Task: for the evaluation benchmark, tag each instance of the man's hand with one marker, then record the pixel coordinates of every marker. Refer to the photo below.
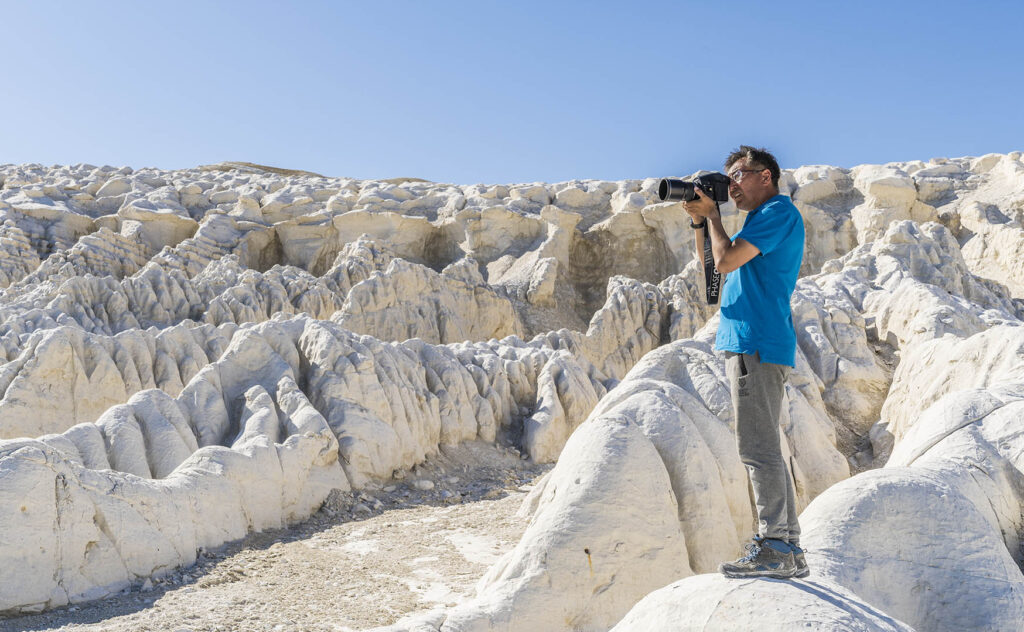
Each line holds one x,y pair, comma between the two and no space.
701,207
728,255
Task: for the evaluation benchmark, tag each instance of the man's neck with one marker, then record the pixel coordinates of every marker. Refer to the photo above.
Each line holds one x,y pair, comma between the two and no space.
761,203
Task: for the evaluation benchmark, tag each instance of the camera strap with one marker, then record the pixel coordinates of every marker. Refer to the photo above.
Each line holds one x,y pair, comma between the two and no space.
712,277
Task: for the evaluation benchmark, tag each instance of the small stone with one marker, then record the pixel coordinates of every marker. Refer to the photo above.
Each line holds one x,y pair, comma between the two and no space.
361,508
147,585
389,489
424,484
452,480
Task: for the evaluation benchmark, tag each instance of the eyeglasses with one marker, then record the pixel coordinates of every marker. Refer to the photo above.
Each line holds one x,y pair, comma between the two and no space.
737,174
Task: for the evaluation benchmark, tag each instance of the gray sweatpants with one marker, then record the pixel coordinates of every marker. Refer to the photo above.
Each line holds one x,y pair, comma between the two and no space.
758,390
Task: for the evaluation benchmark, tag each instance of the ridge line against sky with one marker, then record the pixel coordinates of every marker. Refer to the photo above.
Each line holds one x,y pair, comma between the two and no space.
507,92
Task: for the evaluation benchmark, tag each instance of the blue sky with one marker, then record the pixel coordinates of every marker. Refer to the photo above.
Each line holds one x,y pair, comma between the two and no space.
473,92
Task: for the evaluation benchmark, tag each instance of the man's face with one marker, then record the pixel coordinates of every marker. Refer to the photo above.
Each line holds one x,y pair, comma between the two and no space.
750,186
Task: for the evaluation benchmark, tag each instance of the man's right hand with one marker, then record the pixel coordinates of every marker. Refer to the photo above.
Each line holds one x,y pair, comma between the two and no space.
700,207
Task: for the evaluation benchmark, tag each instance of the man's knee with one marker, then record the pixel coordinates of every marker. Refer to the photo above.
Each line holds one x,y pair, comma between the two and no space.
759,449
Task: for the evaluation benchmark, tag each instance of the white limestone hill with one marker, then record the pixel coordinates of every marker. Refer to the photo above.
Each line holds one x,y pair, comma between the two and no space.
187,357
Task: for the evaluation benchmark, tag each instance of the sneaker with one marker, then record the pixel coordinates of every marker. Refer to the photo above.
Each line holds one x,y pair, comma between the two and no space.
801,563
762,560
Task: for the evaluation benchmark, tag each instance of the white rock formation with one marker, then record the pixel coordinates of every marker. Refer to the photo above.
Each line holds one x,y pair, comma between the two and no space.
831,312
583,540
374,407
914,289
408,300
170,337
712,603
92,532
65,376
651,487
889,195
943,519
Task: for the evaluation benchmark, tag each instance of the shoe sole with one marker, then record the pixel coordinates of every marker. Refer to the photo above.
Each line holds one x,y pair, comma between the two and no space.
803,573
768,574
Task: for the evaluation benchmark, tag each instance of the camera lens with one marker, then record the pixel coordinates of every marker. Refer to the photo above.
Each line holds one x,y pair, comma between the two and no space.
676,190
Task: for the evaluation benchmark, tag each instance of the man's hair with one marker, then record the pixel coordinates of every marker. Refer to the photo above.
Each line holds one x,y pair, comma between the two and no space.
757,157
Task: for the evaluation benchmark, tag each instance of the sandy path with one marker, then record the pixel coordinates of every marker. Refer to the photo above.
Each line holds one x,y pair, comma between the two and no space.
342,570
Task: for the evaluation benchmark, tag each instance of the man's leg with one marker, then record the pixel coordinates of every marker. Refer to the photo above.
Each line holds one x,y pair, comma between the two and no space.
758,389
757,392
794,528
791,517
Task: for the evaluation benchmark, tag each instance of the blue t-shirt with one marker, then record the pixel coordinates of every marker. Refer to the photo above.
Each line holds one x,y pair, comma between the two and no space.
755,314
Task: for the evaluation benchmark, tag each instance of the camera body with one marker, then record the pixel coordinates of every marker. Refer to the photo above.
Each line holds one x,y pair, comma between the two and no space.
714,185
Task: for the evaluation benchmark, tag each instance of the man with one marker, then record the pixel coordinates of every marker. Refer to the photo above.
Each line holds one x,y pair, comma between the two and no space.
756,333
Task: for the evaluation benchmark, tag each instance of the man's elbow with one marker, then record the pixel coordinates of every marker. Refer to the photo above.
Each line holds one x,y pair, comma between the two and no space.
724,265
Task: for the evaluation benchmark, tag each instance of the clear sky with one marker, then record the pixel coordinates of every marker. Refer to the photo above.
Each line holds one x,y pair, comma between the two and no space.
513,91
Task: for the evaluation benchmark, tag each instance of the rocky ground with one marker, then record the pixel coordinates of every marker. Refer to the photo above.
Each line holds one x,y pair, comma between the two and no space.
364,560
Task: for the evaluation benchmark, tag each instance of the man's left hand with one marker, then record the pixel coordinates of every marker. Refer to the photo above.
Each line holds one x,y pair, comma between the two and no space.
702,206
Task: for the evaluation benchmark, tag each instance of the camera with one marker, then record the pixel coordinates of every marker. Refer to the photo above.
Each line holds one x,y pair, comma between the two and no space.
714,185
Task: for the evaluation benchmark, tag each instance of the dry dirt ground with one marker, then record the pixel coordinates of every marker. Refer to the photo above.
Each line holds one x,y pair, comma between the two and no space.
363,561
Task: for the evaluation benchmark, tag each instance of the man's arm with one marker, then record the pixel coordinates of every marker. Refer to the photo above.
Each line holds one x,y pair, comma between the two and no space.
729,255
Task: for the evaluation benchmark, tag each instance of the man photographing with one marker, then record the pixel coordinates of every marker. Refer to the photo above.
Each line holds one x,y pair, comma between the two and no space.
756,333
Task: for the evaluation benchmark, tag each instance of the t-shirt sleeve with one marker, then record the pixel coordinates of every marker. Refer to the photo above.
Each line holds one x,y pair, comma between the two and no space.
769,227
